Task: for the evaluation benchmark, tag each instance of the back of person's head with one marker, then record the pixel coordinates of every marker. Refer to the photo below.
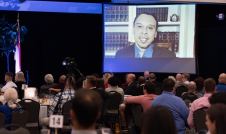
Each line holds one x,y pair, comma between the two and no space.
152,77
186,76
130,78
91,81
192,86
100,83
168,85
222,78
209,85
70,82
179,77
86,108
141,80
20,76
158,120
216,115
199,83
8,76
173,78
219,97
149,87
11,96
49,78
113,81
62,79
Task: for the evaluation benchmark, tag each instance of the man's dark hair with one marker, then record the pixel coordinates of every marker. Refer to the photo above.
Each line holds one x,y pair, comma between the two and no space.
219,97
87,106
217,114
209,85
168,85
150,87
158,120
147,14
9,74
113,81
199,83
91,79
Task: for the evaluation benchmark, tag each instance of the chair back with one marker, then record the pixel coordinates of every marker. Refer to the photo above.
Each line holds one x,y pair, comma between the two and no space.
20,118
66,112
2,120
32,107
199,118
113,101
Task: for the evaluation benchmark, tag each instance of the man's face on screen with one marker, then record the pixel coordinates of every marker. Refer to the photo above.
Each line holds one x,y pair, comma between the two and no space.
145,30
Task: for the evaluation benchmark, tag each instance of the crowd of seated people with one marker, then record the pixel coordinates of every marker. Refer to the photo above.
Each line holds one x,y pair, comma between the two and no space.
168,106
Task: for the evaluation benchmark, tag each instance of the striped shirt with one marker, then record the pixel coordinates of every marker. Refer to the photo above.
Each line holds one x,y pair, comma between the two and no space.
62,98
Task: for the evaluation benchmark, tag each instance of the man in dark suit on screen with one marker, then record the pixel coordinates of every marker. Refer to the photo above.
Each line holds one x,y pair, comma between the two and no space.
145,31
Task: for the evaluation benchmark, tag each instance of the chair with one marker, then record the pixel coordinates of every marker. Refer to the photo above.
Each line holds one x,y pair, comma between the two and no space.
199,118
32,107
20,118
66,112
67,118
111,109
2,120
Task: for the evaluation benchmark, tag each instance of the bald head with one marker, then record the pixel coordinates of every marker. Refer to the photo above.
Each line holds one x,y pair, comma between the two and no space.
222,78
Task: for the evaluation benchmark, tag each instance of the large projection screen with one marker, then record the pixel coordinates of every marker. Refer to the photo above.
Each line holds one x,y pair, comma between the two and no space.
158,38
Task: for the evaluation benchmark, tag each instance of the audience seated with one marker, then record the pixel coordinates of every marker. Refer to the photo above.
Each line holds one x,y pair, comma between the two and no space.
106,76
158,85
185,78
10,105
132,85
20,80
144,100
158,120
9,82
60,85
209,85
219,97
49,83
199,86
113,86
216,119
62,97
90,83
86,109
175,104
141,81
221,86
190,96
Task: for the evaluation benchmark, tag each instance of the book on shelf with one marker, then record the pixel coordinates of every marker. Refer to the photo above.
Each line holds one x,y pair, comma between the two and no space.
161,13
116,14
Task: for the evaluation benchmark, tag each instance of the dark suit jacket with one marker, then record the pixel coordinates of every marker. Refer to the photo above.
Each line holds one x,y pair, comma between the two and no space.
158,52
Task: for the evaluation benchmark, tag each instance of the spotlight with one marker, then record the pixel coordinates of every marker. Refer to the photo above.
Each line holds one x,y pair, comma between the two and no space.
68,61
220,16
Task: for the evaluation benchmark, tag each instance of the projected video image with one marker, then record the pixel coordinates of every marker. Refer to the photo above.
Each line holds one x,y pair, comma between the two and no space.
140,32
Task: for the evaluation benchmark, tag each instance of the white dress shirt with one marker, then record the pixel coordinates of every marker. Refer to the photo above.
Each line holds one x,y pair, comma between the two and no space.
9,84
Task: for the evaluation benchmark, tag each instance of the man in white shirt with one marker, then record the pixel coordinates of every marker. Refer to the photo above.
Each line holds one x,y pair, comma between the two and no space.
9,82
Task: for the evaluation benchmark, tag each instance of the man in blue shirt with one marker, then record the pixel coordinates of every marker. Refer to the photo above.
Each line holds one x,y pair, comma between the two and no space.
221,86
175,104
